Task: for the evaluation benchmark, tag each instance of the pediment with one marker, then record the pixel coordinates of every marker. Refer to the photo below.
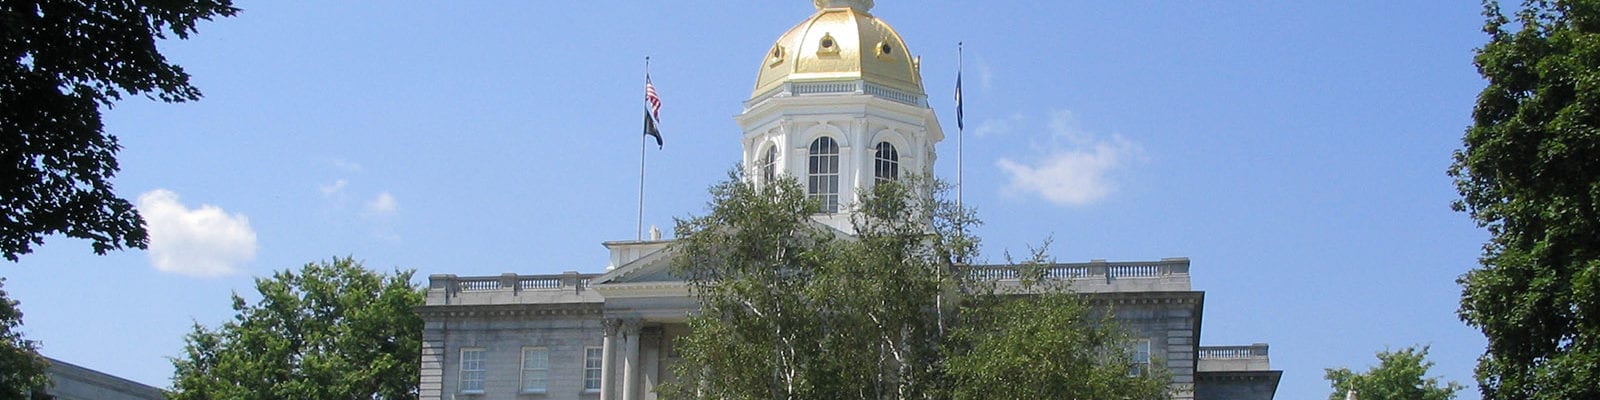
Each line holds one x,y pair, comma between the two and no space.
655,266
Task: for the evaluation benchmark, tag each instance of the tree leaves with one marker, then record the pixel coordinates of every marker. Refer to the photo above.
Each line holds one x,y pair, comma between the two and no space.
1399,375
1529,172
21,367
791,309
332,331
60,61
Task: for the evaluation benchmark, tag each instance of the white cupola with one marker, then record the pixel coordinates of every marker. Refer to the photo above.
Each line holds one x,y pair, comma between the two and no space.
838,103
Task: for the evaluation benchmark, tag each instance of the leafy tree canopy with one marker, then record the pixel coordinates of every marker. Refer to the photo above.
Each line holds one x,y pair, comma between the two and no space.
792,309
62,61
335,330
1529,172
1043,341
1400,375
21,366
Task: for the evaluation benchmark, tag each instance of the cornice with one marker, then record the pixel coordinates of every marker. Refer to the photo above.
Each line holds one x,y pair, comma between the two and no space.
509,310
1146,298
642,289
1238,376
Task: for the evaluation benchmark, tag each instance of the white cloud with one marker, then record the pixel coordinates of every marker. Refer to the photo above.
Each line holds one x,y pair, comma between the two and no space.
335,187
1075,168
200,242
384,204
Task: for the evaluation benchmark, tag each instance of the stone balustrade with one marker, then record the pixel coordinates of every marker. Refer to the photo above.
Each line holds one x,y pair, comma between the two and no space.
1234,358
1099,276
506,288
1166,275
839,87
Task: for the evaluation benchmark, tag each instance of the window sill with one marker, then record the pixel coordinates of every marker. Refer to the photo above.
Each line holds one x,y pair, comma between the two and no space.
535,391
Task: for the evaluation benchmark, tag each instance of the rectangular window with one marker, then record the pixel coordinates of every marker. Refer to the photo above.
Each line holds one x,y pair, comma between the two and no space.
535,369
1138,357
473,369
592,357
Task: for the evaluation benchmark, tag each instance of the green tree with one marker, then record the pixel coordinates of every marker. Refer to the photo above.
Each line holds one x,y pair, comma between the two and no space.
1042,341
64,59
1529,172
21,366
757,263
1400,375
792,309
335,330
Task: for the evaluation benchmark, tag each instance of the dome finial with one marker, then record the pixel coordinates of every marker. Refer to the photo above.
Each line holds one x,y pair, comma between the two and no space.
858,5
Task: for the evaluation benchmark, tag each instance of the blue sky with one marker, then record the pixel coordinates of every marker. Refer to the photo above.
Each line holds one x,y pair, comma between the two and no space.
1294,151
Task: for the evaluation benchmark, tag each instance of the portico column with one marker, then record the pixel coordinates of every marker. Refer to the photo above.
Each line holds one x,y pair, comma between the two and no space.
608,358
630,360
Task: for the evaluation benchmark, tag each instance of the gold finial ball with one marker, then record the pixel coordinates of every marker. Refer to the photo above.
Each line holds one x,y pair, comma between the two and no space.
859,5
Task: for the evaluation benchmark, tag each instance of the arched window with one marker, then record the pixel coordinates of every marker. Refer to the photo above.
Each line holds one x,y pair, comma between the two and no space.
886,164
822,173
769,165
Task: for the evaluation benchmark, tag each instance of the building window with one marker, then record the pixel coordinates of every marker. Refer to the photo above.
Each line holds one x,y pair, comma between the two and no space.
1138,357
769,165
822,179
592,357
886,163
535,369
473,370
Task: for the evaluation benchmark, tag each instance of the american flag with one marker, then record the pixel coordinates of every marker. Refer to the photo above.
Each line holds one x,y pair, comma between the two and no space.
651,97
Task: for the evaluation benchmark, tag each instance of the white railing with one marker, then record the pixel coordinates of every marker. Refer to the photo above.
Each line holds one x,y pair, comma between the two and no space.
510,282
1255,351
896,95
802,88
839,87
533,282
477,285
1098,270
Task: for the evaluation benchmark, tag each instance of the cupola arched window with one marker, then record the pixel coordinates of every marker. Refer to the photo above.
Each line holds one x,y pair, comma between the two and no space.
769,165
886,163
822,173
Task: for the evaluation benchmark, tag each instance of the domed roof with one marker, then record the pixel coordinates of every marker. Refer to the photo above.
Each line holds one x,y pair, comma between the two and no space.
842,41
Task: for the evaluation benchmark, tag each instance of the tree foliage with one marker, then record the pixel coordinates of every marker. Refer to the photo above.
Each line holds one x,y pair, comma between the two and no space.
335,330
792,309
1044,343
1529,172
21,366
1400,375
64,59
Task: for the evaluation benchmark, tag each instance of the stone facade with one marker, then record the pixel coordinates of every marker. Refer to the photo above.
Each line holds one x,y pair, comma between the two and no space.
633,313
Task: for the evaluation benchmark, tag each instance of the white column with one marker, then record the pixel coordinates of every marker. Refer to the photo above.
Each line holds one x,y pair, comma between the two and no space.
630,360
608,358
861,160
650,362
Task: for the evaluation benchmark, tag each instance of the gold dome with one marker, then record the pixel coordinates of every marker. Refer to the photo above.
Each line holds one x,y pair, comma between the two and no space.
842,41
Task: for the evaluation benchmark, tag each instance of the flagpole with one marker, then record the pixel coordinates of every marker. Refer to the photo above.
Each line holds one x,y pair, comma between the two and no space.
961,128
638,227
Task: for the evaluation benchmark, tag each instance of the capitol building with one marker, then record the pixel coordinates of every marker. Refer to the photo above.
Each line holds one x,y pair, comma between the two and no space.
838,102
